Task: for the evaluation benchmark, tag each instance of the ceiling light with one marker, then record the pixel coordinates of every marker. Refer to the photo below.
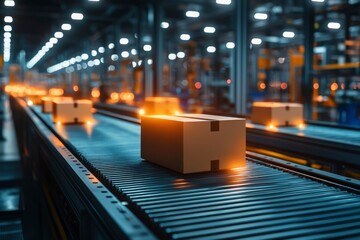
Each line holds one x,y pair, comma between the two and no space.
211,49
111,68
58,35
125,54
7,28
185,37
97,62
172,56
9,3
8,19
111,45
94,0
193,14
123,41
133,51
77,16
164,25
147,47
230,45
287,34
256,41
7,45
180,54
78,58
7,34
66,27
333,25
101,49
49,45
7,40
90,63
84,56
260,16
115,57
223,2
317,0
93,53
209,29
53,40
149,61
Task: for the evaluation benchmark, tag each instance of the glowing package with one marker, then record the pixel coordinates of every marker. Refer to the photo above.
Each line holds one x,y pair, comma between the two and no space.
72,111
193,143
161,105
277,114
47,102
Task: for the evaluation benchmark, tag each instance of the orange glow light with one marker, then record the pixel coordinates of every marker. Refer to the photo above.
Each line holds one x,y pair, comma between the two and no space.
30,103
76,88
58,123
127,97
262,86
301,126
88,122
114,96
56,92
283,85
95,93
141,112
334,86
316,86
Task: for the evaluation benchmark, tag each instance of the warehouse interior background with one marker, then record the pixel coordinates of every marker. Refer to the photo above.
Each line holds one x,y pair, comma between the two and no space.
216,56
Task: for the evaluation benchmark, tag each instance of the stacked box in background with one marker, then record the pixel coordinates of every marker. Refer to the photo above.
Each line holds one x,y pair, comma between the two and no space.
193,143
161,106
277,114
72,111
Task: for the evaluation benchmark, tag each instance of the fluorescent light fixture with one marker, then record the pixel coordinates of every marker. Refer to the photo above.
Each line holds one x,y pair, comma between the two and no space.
123,41
58,35
53,40
125,54
149,61
223,2
115,57
260,16
93,53
317,0
185,37
256,41
7,45
94,0
7,28
8,19
77,16
164,25
192,14
49,45
66,27
288,34
147,47
133,51
9,3
180,54
7,34
84,56
230,45
111,45
333,25
209,29
7,40
211,49
172,56
78,58
101,49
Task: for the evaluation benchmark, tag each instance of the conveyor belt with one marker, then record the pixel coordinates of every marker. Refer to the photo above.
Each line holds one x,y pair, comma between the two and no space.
256,201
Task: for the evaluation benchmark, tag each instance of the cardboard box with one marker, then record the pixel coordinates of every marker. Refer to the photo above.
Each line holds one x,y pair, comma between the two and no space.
193,143
47,102
72,111
277,114
161,106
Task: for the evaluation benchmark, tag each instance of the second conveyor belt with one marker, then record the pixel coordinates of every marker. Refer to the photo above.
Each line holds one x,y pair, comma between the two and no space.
256,201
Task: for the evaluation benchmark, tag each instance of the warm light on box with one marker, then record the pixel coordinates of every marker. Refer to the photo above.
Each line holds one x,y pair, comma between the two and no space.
47,102
192,143
72,111
277,114
161,106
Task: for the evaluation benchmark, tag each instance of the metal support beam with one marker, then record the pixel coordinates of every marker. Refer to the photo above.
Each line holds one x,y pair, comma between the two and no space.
307,78
158,42
241,54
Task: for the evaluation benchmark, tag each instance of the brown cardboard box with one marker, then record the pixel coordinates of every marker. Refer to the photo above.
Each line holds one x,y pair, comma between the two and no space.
194,142
277,114
47,102
72,111
161,105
